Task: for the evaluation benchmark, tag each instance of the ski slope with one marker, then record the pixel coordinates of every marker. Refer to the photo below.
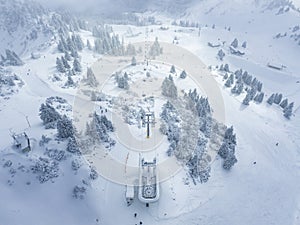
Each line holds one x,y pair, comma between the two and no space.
262,188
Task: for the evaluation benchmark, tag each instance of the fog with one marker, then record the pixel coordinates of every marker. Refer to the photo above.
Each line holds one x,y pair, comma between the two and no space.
114,6
100,6
109,7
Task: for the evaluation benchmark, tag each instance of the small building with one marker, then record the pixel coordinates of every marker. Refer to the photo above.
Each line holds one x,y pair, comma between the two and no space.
275,66
213,45
148,182
35,55
22,142
129,194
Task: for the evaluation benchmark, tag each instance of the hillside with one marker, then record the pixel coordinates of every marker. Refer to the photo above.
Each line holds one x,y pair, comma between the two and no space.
206,90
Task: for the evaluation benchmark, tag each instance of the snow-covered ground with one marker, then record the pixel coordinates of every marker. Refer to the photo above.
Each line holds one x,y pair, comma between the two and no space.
261,188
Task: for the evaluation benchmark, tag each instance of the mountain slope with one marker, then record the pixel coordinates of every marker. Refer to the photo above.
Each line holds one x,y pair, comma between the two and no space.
21,25
26,27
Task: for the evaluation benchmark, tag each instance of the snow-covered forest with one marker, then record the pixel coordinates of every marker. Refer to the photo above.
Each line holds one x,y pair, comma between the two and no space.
206,91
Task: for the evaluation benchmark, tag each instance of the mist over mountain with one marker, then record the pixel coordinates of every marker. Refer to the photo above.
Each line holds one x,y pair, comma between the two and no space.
27,26
175,6
25,22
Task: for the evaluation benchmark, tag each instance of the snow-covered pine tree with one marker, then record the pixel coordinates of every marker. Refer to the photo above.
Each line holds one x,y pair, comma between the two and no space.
203,108
197,170
126,76
221,54
70,73
70,44
12,58
288,111
252,93
77,65
248,79
93,173
271,99
223,151
77,42
65,63
259,86
206,126
172,147
168,87
239,80
244,76
227,149
68,56
225,77
60,66
130,50
238,88
259,97
229,136
235,43
65,127
62,45
169,126
155,49
48,114
99,128
229,81
122,81
238,74
107,123
234,89
88,44
183,74
244,45
70,82
247,99
173,70
72,145
133,61
204,174
221,68
74,52
98,46
226,68
284,103
90,78
229,161
254,83
277,98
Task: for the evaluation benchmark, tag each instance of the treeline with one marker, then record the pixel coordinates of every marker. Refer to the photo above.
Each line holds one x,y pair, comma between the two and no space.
277,99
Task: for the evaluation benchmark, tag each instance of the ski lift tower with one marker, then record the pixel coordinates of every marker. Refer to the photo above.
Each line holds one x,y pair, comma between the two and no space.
148,119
